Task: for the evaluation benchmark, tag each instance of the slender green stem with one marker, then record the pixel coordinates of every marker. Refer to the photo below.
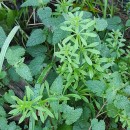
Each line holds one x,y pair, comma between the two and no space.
105,8
112,8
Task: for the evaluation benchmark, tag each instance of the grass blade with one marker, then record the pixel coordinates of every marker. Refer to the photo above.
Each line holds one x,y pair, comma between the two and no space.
6,45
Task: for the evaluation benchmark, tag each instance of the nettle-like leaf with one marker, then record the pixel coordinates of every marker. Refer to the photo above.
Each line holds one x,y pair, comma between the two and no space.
14,54
34,3
37,37
116,80
3,123
112,111
55,106
114,23
2,112
36,51
121,102
30,3
96,86
24,71
45,16
127,23
111,94
13,126
2,37
13,75
104,50
98,125
7,97
57,86
127,90
75,114
101,24
82,123
86,14
36,65
58,35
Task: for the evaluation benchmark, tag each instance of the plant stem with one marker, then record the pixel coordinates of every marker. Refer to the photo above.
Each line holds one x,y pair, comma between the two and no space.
105,8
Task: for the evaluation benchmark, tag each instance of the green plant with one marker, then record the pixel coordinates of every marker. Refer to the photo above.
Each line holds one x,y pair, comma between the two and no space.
6,45
76,53
30,106
65,6
64,61
115,43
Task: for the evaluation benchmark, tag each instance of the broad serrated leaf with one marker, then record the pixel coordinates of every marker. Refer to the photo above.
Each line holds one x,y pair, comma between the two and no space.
110,94
37,51
116,79
98,125
13,75
121,102
24,71
3,123
75,114
34,3
57,86
30,3
36,65
101,24
59,35
2,112
96,86
104,50
45,16
14,54
114,23
55,107
112,111
2,37
127,23
50,22
82,123
86,15
91,40
127,90
13,126
7,97
37,37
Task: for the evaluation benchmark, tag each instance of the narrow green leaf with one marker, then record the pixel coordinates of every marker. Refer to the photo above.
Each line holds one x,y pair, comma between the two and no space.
41,116
34,115
6,45
2,37
44,73
67,39
88,60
